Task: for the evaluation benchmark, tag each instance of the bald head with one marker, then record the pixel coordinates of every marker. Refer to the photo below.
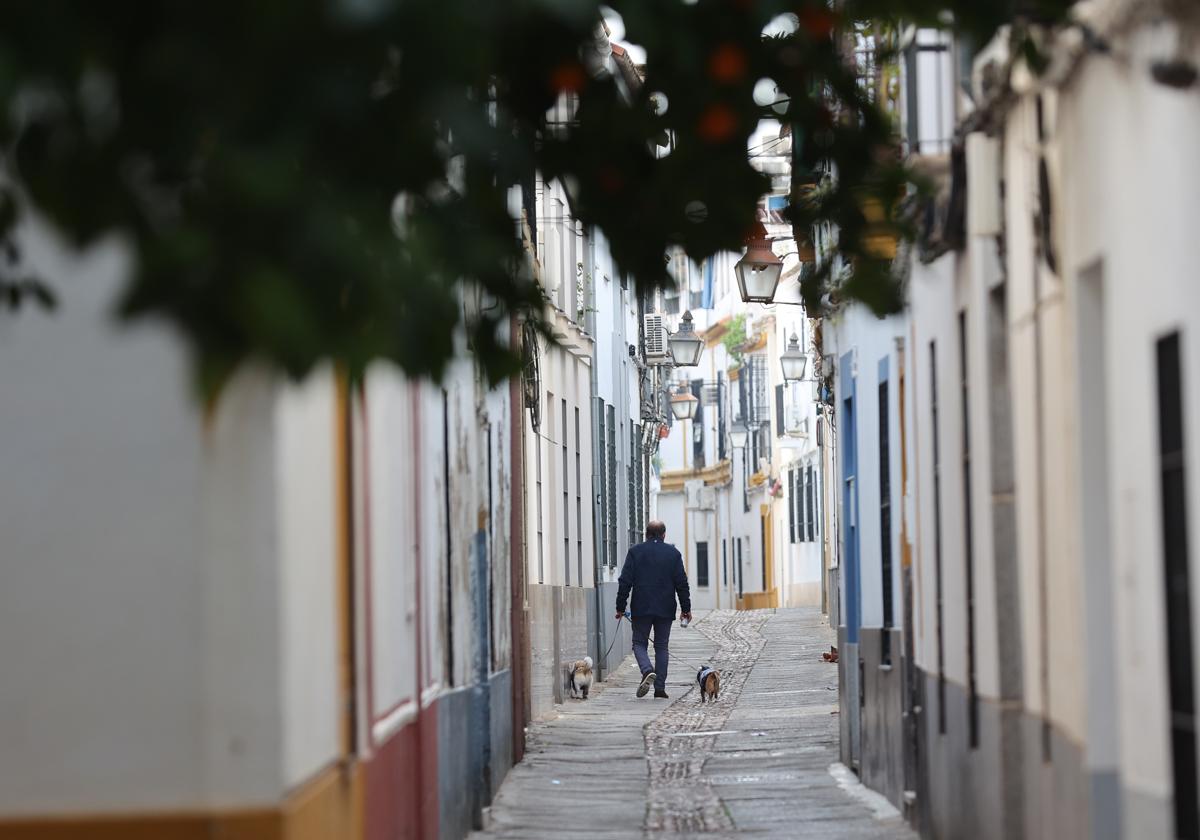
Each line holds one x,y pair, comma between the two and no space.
655,530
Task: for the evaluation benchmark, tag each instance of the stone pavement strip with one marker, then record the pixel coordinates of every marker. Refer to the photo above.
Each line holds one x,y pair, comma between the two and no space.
756,763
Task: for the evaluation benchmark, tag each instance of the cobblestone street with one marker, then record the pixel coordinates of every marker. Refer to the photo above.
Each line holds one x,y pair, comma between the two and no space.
759,762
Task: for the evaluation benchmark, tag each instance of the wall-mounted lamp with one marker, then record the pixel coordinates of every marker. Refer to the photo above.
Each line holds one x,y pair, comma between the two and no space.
794,361
686,347
684,403
738,435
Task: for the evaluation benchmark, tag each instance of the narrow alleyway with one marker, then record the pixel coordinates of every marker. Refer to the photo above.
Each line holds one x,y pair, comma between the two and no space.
757,763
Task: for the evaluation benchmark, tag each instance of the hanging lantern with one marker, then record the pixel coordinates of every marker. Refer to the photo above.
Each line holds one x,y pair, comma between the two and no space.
684,403
759,269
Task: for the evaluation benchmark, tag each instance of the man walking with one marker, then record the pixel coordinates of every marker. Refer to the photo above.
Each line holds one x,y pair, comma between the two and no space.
654,571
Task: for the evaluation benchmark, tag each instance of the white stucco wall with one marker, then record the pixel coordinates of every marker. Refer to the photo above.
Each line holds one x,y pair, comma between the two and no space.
393,547
101,615
872,339
1128,172
156,555
306,500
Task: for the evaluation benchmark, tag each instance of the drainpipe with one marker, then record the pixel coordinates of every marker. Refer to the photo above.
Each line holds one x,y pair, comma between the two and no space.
482,689
518,614
597,465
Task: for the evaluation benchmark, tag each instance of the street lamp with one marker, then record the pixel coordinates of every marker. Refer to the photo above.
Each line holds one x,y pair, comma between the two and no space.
683,403
738,435
759,269
793,360
685,345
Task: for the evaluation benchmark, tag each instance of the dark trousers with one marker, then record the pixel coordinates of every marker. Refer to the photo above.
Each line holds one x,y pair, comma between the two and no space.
662,637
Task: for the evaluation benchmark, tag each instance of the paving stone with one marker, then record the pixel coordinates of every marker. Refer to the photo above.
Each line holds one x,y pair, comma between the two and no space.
755,763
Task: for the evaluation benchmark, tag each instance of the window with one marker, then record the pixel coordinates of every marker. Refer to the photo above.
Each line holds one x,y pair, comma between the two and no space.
639,472
811,499
779,424
885,519
724,562
612,486
722,450
758,398
1178,581
737,567
634,441
702,564
541,545
802,503
968,558
671,299
566,496
696,427
491,532
578,504
937,537
763,545
603,490
793,495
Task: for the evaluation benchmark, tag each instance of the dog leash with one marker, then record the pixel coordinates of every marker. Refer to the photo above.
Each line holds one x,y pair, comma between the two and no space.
672,656
614,640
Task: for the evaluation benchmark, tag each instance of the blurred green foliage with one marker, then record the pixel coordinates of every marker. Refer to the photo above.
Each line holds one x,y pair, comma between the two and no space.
734,338
316,179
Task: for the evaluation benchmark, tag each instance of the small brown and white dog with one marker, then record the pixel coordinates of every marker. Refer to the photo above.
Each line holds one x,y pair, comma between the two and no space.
579,677
710,683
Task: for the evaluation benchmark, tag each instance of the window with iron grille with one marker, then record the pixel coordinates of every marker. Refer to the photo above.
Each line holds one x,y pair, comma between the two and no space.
779,411
811,504
701,564
885,523
566,497
742,416
1177,578
798,504
792,495
578,504
633,484
762,382
697,426
541,546
602,488
737,566
641,485
612,485
746,478
722,443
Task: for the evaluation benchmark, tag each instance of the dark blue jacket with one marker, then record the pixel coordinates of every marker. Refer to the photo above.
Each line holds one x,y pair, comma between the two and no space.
654,571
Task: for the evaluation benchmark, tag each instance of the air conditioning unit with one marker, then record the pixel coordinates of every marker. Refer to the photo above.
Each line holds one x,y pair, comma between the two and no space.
700,497
656,350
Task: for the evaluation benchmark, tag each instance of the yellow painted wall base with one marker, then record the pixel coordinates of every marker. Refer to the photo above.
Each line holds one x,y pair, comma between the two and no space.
759,600
330,807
